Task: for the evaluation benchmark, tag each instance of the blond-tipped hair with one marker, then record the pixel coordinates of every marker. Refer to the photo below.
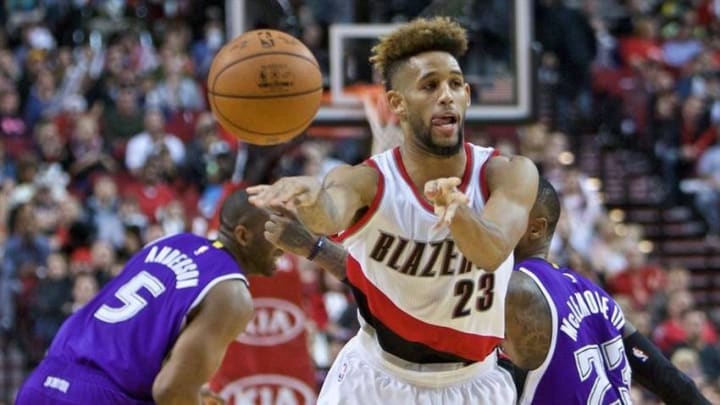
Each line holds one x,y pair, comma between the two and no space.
418,36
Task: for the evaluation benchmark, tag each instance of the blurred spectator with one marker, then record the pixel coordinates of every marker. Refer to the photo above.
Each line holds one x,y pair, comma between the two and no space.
84,289
695,135
52,304
130,214
88,154
707,198
582,208
43,98
103,206
665,126
122,119
172,218
74,106
671,334
687,360
639,280
681,46
204,49
152,193
176,90
678,279
7,166
150,141
102,260
51,146
13,130
643,45
25,252
695,323
607,253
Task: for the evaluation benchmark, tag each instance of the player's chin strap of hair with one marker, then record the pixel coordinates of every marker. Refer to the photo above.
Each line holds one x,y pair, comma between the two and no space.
655,372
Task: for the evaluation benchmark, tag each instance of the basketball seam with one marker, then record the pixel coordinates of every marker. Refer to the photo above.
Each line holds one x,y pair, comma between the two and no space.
229,65
229,121
263,96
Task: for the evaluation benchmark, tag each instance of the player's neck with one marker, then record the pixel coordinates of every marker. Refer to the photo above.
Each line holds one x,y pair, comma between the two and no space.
231,246
422,166
539,253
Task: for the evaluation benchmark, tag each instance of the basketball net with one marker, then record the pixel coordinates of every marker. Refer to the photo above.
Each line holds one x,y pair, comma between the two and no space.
386,133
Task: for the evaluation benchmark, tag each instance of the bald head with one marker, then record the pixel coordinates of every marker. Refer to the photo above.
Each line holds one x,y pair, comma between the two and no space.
237,210
542,221
547,205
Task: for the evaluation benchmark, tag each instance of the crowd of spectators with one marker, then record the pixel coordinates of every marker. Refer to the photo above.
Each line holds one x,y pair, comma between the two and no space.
107,143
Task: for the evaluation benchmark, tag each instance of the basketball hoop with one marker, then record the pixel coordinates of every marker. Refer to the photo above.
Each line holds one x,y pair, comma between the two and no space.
386,133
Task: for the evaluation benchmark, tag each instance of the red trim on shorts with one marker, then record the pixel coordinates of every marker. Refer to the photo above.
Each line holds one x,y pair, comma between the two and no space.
340,237
418,196
484,189
441,338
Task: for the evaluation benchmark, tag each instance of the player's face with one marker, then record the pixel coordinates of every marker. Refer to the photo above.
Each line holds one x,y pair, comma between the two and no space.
263,255
434,98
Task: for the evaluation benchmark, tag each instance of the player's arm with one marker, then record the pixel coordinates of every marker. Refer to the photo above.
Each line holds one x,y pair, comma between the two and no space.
326,207
487,240
287,233
655,372
221,317
528,323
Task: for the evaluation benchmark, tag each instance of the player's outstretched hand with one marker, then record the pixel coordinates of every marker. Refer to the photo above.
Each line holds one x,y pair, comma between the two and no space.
443,193
285,231
289,192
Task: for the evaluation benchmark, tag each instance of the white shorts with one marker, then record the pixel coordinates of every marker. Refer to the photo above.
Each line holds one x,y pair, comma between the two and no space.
364,374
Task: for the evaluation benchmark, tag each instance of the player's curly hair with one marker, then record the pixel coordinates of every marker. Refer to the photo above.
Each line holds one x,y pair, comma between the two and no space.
418,36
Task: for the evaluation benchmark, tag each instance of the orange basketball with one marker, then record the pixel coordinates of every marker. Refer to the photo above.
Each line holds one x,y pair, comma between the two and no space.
265,87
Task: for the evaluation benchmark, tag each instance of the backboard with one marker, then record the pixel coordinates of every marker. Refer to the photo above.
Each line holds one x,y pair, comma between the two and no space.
498,65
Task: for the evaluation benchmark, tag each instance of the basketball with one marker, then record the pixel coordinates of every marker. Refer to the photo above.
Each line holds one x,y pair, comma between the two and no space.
264,87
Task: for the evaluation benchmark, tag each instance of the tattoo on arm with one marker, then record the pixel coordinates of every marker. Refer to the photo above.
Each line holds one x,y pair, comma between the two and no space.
528,322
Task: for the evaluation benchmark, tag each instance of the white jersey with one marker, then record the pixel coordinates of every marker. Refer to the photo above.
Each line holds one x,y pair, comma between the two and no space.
426,301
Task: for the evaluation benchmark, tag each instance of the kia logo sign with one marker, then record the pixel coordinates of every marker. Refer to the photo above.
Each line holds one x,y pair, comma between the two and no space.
276,321
268,389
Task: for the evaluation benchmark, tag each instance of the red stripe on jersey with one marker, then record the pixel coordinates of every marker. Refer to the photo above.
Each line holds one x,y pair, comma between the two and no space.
466,345
418,195
484,189
370,211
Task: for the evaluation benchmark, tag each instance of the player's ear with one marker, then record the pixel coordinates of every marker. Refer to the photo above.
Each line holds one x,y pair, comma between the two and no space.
396,103
538,228
467,94
242,235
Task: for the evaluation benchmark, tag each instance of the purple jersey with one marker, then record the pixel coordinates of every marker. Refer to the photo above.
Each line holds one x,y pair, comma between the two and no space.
127,330
586,363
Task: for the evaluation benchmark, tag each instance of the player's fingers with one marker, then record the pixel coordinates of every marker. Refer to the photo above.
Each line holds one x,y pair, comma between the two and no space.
440,210
431,190
287,194
448,184
450,213
270,236
260,188
259,193
282,211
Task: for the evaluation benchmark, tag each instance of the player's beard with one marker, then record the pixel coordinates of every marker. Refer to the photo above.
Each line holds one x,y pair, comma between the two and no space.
423,134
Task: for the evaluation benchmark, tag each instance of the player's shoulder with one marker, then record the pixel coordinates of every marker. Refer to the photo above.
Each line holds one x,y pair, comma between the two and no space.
229,300
515,172
513,163
524,293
